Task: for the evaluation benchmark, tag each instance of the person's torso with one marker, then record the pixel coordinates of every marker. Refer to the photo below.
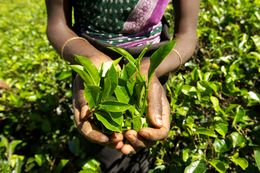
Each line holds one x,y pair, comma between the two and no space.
124,23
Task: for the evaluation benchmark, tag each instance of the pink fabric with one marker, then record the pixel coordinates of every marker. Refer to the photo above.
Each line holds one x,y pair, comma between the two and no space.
146,14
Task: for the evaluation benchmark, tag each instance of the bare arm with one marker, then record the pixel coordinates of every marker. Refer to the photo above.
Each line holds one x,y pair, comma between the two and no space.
186,18
59,30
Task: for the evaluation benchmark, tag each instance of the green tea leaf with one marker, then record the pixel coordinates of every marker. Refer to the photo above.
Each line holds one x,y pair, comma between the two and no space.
257,157
137,123
198,166
220,145
90,68
127,72
222,128
116,62
110,82
240,115
13,145
124,53
114,106
121,94
237,140
216,105
92,94
107,121
138,60
218,165
242,162
39,159
158,56
80,70
60,166
207,132
117,117
185,154
140,90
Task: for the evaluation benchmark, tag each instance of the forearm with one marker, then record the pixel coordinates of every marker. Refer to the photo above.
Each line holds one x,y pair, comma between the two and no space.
185,45
59,32
186,18
74,47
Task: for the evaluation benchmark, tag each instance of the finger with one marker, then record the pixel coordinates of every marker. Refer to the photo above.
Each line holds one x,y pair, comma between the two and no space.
165,112
135,140
128,149
161,133
85,113
76,114
155,104
117,137
78,93
119,145
93,134
153,134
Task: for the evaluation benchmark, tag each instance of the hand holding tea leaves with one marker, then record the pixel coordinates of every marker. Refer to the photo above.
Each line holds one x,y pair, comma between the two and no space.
117,100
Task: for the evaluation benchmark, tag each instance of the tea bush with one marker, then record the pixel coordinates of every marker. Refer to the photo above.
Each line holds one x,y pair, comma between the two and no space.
215,97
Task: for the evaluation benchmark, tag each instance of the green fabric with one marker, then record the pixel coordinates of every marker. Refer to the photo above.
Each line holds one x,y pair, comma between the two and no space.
102,16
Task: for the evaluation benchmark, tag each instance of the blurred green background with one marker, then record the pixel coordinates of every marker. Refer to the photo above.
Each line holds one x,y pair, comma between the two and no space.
215,97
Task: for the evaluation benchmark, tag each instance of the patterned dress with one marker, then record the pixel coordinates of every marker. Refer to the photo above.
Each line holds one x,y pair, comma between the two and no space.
123,23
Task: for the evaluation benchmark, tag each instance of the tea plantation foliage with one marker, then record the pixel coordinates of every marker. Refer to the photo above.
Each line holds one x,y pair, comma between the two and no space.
215,97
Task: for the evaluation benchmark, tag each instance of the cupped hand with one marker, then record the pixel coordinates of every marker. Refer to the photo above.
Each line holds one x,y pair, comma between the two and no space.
83,115
158,117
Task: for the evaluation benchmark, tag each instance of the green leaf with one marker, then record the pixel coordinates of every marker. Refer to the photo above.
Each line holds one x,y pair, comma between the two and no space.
114,106
237,140
187,89
90,68
256,39
117,117
240,114
242,162
218,165
221,128
16,161
124,53
257,157
12,146
39,159
158,56
205,131
64,75
216,105
110,82
127,71
198,166
140,90
137,123
80,70
92,94
107,121
116,62
61,165
185,154
4,141
121,94
91,165
141,55
220,145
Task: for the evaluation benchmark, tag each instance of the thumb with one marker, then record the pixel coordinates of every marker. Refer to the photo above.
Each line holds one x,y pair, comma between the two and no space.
155,104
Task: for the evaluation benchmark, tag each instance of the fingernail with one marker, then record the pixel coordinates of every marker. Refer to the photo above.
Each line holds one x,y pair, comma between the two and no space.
159,120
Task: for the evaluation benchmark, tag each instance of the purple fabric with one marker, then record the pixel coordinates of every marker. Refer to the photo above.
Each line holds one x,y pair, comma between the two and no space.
157,14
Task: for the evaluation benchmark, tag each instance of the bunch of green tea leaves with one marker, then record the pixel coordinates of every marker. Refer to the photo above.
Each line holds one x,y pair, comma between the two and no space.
117,98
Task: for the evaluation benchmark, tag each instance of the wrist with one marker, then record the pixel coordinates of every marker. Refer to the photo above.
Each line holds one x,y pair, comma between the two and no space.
98,59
